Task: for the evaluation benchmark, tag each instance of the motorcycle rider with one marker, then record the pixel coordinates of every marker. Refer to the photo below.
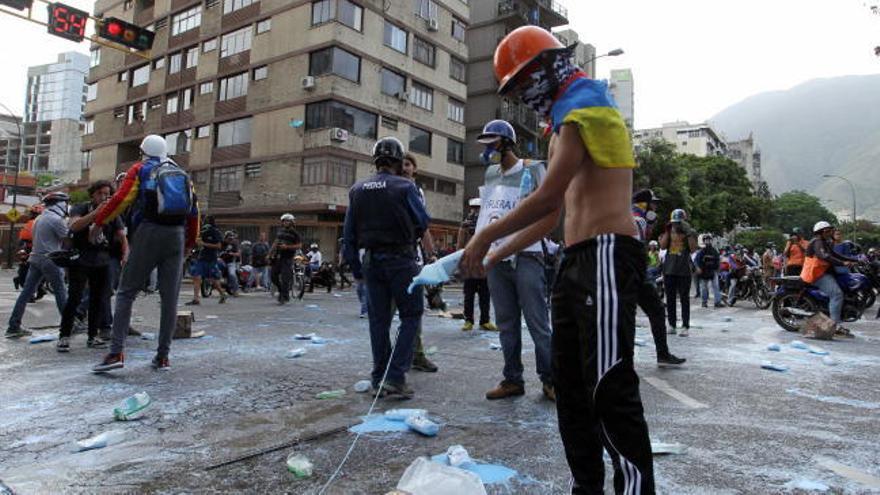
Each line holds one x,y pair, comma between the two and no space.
315,258
794,252
820,256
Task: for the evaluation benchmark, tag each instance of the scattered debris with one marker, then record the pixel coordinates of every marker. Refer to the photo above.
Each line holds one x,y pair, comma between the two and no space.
494,346
318,340
208,317
659,448
817,351
312,306
39,339
299,465
133,407
819,326
403,414
834,400
767,365
458,456
488,473
148,336
430,351
425,477
362,386
774,348
295,353
300,336
829,361
331,394
100,441
808,485
640,342
376,423
797,344
423,425
728,318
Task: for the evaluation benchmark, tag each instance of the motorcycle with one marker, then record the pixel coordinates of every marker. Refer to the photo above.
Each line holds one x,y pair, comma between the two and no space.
795,300
753,287
323,277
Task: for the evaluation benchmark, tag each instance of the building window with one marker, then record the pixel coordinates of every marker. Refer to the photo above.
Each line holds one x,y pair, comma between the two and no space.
159,63
87,160
325,114
457,69
187,99
191,57
140,76
233,5
261,73
209,45
264,25
235,42
203,131
426,9
233,132
227,179
423,51
455,111
206,88
233,87
395,37
88,127
92,92
393,83
127,5
253,170
171,103
350,13
161,23
95,59
329,171
425,183
122,76
458,29
174,61
389,123
419,140
454,151
118,112
186,20
323,11
137,112
155,102
179,143
445,187
337,61
422,96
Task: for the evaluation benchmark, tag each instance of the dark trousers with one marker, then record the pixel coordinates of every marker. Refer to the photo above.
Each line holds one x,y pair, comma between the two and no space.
472,288
651,304
282,276
678,285
597,390
98,279
387,277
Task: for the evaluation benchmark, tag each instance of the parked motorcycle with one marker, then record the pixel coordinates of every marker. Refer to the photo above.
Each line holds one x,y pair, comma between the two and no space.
753,287
324,277
795,300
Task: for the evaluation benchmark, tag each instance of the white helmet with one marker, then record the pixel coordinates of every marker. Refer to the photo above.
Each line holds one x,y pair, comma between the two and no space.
313,246
475,202
653,244
288,216
821,226
154,146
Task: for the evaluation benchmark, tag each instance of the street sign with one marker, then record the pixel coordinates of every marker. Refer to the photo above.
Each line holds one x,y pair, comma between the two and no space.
13,215
67,22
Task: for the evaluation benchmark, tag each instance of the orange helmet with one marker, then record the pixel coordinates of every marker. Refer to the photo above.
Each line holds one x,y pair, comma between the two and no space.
518,49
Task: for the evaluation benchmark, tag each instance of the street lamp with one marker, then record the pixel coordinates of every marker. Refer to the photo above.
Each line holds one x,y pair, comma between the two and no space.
853,190
612,53
15,182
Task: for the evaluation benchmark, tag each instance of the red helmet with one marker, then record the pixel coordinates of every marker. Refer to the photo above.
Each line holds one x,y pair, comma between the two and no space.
518,50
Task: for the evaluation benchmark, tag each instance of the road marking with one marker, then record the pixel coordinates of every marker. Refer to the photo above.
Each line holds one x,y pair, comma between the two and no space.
849,472
667,389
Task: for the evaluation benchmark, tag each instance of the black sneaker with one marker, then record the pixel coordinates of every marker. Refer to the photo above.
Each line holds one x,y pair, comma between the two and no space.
422,363
110,362
397,391
670,360
705,304
161,363
96,343
63,344
719,305
133,332
14,333
194,302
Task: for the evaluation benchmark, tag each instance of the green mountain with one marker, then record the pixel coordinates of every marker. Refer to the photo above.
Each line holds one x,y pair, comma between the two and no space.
823,126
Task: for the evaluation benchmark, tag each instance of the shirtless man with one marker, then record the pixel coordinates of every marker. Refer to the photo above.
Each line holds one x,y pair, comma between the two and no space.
594,300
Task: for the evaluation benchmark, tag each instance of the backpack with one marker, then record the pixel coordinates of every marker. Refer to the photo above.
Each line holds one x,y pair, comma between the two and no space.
173,190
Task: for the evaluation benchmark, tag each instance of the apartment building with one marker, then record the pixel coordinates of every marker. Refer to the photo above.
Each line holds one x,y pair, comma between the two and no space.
491,20
274,105
10,142
746,153
621,88
695,139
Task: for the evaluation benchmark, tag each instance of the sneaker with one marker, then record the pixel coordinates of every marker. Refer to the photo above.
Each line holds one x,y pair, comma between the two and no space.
549,392
96,343
468,326
110,362
684,332
504,390
422,363
194,302
222,299
133,332
161,364
705,304
670,360
63,344
489,327
719,305
731,302
14,333
397,391
671,331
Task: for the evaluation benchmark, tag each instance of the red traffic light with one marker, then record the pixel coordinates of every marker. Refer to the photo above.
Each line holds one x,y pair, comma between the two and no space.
125,33
114,28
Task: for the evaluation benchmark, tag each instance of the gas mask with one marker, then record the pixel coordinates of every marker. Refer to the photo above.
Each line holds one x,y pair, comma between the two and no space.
651,216
493,153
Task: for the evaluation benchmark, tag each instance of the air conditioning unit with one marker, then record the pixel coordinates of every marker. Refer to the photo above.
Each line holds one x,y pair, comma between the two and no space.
432,24
402,96
338,134
308,82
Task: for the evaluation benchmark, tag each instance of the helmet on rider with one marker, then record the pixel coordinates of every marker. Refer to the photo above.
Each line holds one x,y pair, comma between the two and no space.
313,246
820,226
229,233
653,244
678,215
287,217
55,197
388,151
154,146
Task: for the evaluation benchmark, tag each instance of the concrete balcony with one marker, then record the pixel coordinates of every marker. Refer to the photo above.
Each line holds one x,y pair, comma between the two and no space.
320,138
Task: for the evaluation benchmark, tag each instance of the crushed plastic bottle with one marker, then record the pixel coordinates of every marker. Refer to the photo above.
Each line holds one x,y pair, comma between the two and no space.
659,448
774,347
133,407
100,441
403,414
299,465
39,339
362,386
458,456
148,336
437,272
420,424
797,344
817,351
767,365
331,394
295,353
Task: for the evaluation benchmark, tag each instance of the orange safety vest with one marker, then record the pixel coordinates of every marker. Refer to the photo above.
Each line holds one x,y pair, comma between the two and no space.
27,232
813,269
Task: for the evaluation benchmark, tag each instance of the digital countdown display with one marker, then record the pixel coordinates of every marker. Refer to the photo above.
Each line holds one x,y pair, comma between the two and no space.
67,22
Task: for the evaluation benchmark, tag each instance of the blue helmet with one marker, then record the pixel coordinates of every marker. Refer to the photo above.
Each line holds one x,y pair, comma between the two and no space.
495,129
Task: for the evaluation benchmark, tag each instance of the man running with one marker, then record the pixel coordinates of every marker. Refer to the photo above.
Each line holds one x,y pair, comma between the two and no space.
594,299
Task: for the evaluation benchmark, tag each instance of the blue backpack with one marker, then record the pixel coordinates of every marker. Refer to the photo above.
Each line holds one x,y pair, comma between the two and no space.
173,189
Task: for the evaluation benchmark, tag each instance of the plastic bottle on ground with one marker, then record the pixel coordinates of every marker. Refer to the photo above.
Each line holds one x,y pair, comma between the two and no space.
426,477
458,455
362,386
299,465
402,414
331,394
133,407
423,425
103,440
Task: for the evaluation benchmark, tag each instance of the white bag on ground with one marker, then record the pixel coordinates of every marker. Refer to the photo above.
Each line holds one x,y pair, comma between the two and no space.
425,477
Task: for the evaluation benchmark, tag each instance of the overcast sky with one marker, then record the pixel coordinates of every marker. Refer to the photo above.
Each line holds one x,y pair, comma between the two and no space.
690,58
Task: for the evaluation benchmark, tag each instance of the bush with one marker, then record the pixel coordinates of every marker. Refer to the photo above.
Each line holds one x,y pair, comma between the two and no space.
757,240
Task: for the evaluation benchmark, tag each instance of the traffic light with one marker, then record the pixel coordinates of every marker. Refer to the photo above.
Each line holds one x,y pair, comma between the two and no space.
18,4
127,34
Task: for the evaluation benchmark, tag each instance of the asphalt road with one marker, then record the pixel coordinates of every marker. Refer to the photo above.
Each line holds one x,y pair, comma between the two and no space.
234,394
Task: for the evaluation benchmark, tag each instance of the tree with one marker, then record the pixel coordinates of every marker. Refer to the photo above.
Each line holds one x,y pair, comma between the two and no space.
79,196
721,194
660,170
798,209
757,240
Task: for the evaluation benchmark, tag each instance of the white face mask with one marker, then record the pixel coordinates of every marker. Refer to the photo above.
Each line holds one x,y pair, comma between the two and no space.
651,216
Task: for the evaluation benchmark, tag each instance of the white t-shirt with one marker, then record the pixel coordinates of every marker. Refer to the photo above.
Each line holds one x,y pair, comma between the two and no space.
315,257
